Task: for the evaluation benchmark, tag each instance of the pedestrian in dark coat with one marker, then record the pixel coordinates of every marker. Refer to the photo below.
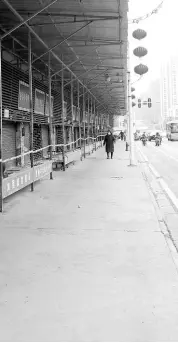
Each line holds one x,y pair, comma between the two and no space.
122,135
109,141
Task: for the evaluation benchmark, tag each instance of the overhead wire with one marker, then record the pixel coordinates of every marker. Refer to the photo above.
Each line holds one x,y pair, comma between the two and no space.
147,15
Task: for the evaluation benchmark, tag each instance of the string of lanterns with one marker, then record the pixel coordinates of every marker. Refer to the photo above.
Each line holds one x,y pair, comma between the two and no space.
140,52
146,16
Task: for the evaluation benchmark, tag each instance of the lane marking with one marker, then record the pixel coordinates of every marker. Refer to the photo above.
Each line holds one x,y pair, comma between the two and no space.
164,153
170,194
160,216
163,184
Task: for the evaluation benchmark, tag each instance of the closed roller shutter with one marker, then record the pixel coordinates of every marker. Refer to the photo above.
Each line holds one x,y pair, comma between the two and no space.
27,142
9,143
45,139
59,137
37,141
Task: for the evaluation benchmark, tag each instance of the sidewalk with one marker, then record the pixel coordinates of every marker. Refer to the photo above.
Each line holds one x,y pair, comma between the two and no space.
83,259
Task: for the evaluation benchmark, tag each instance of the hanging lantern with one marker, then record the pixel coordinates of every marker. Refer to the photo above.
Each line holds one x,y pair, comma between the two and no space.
139,34
140,51
141,69
133,104
133,96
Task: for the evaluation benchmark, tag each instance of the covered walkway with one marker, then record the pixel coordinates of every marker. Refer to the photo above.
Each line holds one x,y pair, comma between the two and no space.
83,259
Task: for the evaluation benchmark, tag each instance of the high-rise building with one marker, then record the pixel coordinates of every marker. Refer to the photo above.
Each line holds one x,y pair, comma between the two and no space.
119,122
169,89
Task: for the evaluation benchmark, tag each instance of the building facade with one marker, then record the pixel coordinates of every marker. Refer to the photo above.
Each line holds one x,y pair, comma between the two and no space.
169,89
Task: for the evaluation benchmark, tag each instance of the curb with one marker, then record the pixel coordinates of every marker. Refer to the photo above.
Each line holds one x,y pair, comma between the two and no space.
164,228
171,196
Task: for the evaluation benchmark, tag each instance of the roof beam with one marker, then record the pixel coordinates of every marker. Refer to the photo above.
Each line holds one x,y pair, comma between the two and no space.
100,44
69,65
63,41
28,19
75,15
44,44
86,72
72,21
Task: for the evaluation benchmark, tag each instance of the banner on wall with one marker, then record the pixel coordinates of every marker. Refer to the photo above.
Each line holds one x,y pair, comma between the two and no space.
24,97
47,105
39,101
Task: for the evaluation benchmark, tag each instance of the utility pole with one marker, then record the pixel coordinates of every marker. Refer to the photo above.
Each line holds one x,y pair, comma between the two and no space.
131,141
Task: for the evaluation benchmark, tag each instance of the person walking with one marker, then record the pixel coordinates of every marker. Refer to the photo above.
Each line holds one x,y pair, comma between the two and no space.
109,141
122,135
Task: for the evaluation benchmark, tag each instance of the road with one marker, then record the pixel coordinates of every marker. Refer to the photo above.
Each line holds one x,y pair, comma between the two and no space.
165,161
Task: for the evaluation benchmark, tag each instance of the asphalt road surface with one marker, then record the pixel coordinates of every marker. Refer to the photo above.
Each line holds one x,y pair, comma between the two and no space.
165,160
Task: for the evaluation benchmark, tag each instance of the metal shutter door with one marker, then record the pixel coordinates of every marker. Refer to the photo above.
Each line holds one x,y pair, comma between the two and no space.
45,139
9,142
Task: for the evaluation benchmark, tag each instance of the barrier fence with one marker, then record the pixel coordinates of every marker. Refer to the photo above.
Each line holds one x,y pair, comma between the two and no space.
17,170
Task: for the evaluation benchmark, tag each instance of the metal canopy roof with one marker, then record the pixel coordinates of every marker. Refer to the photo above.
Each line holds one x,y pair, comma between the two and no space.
87,36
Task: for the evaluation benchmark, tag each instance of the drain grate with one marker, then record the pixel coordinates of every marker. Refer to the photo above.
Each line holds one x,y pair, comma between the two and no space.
117,177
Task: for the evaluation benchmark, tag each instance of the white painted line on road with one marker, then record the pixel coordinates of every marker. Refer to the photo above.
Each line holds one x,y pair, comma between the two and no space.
142,154
170,194
169,156
154,171
163,184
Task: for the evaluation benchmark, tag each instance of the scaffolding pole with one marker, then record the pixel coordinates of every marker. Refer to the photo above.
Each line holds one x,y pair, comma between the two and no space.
84,118
31,101
131,141
88,123
95,134
1,156
50,112
79,117
63,129
72,103
92,121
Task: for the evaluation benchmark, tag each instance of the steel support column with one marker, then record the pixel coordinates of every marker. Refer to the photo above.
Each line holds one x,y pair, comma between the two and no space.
63,128
88,123
96,124
79,119
131,141
92,122
72,103
50,112
31,101
1,153
84,118
95,132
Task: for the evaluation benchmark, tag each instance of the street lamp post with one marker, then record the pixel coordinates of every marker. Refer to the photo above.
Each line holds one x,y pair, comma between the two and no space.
131,141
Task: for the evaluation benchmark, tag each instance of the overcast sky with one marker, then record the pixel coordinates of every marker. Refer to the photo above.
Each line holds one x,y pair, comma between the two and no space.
161,40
